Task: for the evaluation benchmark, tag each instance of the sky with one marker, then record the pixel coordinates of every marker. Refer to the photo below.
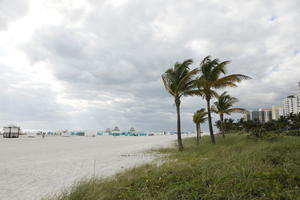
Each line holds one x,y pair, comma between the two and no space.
87,64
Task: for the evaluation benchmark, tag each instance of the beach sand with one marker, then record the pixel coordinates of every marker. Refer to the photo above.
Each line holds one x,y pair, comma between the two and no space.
31,168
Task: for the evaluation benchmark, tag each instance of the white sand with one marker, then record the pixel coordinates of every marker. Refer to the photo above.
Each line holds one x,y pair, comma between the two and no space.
31,168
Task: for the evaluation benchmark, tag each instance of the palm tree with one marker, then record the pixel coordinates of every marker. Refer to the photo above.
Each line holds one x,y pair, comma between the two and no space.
223,106
177,81
210,80
198,118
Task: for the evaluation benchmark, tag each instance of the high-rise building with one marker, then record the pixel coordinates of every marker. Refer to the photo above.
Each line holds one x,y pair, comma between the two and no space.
262,115
265,114
255,115
290,105
277,111
298,97
247,115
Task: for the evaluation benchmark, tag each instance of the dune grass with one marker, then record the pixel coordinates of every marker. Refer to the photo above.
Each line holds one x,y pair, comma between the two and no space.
236,168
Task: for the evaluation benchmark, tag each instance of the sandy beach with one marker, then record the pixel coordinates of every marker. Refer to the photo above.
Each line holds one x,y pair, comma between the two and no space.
31,168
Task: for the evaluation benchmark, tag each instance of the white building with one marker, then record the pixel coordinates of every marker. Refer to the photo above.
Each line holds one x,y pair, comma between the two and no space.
290,105
277,111
298,97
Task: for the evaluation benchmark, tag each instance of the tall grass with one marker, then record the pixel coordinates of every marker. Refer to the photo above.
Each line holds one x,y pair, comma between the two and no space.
236,168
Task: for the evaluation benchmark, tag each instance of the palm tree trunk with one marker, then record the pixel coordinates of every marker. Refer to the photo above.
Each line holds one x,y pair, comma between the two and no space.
197,128
199,131
211,131
180,145
222,125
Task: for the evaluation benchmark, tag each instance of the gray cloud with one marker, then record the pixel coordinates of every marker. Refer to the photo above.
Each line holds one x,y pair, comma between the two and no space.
113,60
29,104
11,10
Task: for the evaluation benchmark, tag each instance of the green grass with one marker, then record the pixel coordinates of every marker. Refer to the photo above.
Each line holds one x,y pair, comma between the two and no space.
235,168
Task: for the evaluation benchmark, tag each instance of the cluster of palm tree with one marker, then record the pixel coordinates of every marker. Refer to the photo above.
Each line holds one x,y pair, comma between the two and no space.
289,124
224,105
203,81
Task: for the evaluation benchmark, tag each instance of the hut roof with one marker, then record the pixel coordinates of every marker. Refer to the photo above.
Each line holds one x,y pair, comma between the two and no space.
116,128
132,129
11,126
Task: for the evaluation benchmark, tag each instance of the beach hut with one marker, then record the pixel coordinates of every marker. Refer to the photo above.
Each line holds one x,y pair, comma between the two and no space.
100,133
77,133
142,134
116,131
133,132
107,132
65,133
11,131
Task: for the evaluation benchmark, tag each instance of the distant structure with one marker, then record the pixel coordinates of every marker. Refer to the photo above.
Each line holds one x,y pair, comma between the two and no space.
116,131
108,130
132,130
263,115
291,104
11,131
277,112
116,128
247,116
298,97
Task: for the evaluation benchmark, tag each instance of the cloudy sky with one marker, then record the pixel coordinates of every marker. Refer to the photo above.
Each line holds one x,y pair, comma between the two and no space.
87,64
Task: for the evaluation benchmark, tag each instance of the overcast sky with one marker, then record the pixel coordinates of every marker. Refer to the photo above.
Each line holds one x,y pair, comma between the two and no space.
87,64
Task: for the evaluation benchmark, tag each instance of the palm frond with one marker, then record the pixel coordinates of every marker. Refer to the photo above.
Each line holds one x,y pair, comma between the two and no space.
200,116
214,109
194,92
220,68
235,110
186,82
230,80
167,85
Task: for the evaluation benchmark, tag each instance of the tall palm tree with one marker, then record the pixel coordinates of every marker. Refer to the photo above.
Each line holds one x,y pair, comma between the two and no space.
177,81
198,118
210,79
223,106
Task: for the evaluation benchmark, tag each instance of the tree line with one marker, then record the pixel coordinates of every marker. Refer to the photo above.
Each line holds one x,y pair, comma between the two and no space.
289,125
202,81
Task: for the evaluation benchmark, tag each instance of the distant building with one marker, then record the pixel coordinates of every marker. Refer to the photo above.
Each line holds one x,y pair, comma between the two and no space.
108,130
116,131
262,115
11,131
132,130
255,115
298,97
116,128
247,116
290,105
265,114
277,111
